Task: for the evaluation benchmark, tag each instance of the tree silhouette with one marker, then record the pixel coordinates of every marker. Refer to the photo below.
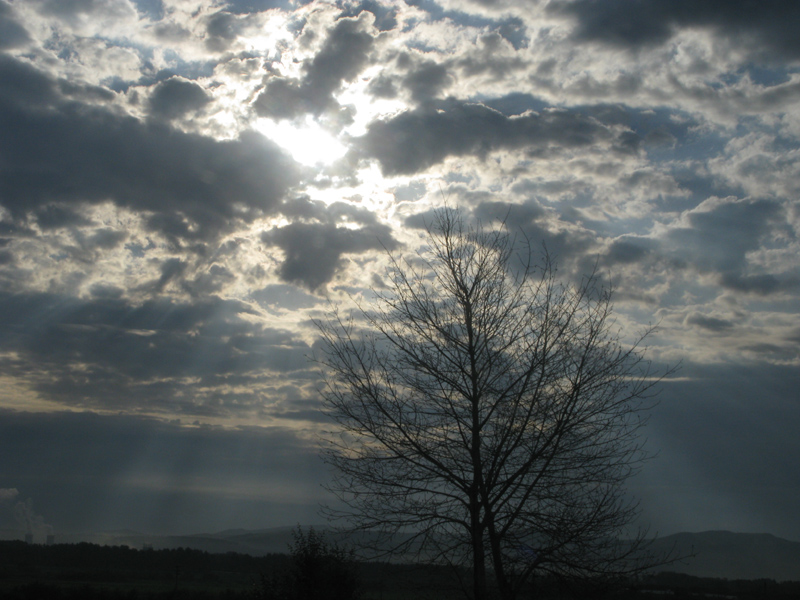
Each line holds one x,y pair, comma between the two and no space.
488,414
317,569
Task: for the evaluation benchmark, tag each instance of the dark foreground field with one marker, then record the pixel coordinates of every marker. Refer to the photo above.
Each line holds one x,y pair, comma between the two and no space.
91,572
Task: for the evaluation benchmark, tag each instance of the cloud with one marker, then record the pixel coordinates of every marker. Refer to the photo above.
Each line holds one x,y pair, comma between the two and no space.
769,25
340,59
56,153
250,6
708,323
628,250
159,356
418,139
426,81
222,28
278,298
528,222
175,97
385,15
52,216
170,269
74,11
718,234
12,33
491,59
763,284
314,245
154,9
313,251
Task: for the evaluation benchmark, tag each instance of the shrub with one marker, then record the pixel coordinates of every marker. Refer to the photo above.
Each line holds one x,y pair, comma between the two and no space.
318,570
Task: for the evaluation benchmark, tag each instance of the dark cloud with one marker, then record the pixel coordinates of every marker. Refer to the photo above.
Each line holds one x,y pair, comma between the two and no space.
12,33
211,281
529,223
106,238
421,220
106,292
160,356
314,244
427,81
627,250
86,472
418,139
337,212
486,211
512,214
222,29
175,97
424,79
341,58
313,251
713,324
516,104
92,94
763,284
23,86
715,238
720,232
187,186
54,216
383,86
170,32
170,269
767,25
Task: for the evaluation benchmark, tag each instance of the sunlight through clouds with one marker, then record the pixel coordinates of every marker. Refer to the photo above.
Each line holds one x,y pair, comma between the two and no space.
307,142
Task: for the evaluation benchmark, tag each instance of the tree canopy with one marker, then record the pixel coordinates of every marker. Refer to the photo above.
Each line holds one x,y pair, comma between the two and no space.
488,413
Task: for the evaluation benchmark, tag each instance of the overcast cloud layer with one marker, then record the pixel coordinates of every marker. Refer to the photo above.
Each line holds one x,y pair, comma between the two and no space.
185,185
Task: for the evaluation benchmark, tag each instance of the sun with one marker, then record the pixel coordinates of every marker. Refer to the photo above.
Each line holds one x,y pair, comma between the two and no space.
307,142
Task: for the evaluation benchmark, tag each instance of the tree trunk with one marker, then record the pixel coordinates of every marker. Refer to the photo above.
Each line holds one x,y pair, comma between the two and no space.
478,552
506,590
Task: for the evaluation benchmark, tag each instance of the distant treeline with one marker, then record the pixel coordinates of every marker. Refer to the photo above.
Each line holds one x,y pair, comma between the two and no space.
680,585
73,571
91,572
123,560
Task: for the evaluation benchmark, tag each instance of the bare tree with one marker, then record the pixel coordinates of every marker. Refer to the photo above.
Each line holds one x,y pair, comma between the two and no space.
488,414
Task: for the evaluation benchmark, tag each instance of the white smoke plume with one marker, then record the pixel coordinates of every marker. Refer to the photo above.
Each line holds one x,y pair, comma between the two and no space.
33,523
8,494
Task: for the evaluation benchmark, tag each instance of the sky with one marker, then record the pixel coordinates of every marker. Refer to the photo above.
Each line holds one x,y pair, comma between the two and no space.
186,185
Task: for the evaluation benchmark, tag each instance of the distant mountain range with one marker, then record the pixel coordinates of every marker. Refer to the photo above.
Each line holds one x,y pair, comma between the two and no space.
721,554
731,555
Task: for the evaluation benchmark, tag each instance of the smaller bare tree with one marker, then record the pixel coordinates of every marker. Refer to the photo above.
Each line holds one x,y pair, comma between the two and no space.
488,414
